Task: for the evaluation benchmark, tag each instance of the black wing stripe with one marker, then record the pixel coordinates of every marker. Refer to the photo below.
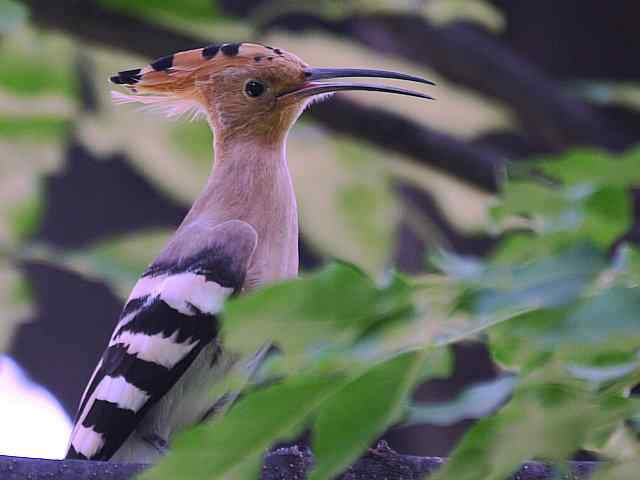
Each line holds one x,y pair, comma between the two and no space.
139,373
154,318
166,323
122,425
133,305
159,318
215,266
104,415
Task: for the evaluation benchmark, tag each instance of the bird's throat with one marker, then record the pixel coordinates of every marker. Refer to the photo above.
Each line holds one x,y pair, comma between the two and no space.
252,183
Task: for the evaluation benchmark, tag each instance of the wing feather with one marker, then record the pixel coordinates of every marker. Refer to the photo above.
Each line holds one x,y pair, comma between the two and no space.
169,318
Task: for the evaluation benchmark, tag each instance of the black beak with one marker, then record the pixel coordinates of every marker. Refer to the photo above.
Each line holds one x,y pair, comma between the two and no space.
311,87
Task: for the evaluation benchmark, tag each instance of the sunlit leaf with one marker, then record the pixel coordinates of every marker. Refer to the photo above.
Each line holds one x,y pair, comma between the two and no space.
595,167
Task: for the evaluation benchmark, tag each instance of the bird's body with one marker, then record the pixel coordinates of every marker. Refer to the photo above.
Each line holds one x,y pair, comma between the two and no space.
155,376
274,257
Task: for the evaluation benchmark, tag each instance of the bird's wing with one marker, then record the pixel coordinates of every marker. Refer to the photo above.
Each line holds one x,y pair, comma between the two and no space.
169,317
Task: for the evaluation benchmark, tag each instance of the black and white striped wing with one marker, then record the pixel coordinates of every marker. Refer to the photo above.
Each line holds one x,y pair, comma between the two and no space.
170,316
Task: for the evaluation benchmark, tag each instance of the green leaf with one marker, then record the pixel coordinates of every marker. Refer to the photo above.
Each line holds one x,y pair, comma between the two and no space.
527,198
354,416
587,332
476,401
547,282
13,14
611,316
595,167
607,214
526,340
331,307
221,449
547,420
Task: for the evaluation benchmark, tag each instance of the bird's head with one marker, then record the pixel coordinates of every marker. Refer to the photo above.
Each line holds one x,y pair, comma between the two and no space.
243,89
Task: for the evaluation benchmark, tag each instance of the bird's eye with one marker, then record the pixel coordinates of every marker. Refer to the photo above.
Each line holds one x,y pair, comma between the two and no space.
253,88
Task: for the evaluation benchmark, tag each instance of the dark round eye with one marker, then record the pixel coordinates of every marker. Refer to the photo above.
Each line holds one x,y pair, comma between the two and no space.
254,88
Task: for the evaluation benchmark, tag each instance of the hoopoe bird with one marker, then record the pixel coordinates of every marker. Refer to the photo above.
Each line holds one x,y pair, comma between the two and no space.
164,355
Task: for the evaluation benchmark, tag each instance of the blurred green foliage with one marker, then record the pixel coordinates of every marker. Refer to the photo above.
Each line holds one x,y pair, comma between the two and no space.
565,323
33,128
28,75
186,9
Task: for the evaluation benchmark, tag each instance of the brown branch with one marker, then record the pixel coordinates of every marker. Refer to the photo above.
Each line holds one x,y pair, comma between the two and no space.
477,165
468,57
283,464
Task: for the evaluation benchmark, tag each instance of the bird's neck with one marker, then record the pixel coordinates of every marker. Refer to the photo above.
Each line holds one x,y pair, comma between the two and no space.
251,182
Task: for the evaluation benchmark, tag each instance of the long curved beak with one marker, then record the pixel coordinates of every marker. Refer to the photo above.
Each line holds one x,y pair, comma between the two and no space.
312,86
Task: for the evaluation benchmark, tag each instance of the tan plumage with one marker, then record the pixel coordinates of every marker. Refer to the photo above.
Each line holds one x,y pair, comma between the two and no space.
241,232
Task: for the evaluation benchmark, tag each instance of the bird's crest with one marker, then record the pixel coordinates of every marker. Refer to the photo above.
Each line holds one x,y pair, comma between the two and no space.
169,84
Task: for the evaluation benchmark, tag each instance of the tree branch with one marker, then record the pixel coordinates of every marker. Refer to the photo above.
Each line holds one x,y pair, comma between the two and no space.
477,165
469,57
283,464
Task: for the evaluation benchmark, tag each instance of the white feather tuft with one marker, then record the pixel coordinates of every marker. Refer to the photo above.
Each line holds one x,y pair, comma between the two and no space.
170,107
317,99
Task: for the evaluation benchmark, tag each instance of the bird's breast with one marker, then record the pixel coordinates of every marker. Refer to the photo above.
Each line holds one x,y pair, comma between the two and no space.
276,255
